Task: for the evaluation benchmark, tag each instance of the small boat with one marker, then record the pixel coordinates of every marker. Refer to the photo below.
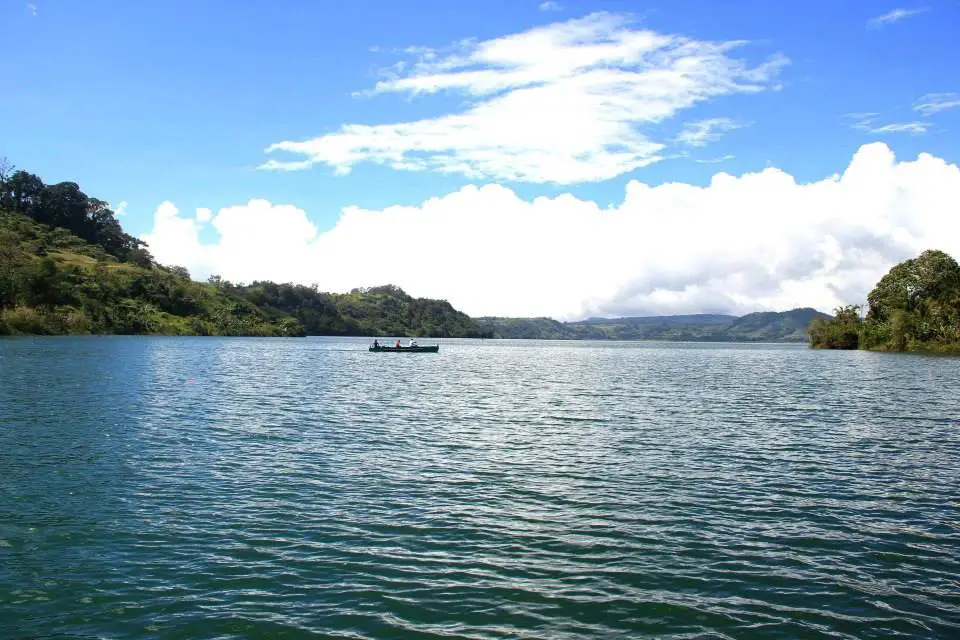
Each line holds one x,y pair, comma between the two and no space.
434,348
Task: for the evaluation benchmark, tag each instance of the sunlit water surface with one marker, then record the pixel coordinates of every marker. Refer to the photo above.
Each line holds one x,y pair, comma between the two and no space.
286,488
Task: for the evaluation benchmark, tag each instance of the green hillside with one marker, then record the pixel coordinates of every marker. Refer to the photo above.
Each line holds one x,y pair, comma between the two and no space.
53,282
66,266
786,326
377,311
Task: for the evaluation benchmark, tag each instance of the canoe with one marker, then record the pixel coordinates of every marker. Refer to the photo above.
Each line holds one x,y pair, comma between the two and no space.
418,349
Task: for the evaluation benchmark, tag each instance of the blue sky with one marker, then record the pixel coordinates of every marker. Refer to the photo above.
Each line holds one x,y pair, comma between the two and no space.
146,102
150,101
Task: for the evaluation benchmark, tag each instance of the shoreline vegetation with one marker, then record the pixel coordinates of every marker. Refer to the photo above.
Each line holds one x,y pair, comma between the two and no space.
67,267
914,308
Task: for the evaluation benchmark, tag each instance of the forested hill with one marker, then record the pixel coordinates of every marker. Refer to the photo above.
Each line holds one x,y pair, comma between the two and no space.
786,326
52,282
66,266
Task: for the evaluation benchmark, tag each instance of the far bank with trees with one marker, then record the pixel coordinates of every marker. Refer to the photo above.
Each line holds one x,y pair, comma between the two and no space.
915,307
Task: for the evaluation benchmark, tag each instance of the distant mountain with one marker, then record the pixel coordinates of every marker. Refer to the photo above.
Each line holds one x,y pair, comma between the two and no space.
787,326
784,326
697,318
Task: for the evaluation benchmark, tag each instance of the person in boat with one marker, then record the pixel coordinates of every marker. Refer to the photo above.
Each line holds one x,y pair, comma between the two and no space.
398,344
413,342
376,344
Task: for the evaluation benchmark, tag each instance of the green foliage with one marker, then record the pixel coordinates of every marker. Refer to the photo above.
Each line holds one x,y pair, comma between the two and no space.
378,311
840,332
52,282
914,307
787,326
64,206
66,266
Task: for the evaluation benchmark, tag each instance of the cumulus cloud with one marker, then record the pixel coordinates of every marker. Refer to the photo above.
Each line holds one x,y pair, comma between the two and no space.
896,15
563,103
760,241
550,6
258,241
936,102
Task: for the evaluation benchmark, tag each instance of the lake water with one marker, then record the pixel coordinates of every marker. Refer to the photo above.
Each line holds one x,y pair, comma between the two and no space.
287,488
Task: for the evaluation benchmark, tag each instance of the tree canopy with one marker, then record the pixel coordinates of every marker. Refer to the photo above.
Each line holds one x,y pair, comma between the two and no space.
914,307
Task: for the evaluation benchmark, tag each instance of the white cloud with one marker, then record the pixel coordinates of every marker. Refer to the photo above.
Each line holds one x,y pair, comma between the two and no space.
279,236
204,214
32,9
564,103
754,242
120,209
895,15
915,128
716,160
703,132
936,102
550,6
867,122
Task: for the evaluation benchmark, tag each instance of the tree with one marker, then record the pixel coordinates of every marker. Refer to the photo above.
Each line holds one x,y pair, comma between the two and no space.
840,332
932,275
22,192
180,272
917,301
6,170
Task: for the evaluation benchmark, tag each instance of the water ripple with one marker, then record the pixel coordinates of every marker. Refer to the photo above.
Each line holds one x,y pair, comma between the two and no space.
180,488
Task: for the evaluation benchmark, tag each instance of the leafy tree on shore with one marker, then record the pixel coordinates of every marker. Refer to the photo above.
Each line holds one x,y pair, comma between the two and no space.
840,332
914,307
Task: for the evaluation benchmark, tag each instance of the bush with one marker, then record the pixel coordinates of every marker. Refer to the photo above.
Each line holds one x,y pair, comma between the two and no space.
840,332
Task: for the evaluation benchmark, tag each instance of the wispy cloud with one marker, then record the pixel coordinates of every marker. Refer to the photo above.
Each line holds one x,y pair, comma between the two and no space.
550,6
32,9
895,15
119,209
916,128
703,132
563,103
937,102
716,160
867,122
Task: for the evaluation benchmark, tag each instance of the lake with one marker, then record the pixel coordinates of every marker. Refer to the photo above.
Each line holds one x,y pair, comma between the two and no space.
288,488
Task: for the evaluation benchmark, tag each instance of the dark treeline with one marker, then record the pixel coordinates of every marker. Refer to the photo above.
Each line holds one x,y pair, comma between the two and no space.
376,311
914,307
